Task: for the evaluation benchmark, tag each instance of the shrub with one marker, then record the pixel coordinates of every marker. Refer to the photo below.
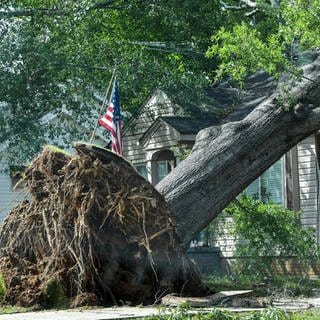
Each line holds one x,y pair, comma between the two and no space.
267,230
54,295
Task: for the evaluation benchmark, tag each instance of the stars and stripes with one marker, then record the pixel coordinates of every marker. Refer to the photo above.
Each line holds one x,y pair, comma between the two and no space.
112,120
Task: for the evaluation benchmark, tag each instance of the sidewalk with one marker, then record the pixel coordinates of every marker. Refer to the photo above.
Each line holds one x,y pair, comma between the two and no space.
139,312
94,314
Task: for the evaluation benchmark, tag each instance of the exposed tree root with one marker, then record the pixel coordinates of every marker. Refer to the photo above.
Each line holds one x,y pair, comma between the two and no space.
98,228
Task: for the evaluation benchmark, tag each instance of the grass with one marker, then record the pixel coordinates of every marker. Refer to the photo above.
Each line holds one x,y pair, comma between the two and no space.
56,149
261,286
182,313
54,295
306,315
185,313
12,309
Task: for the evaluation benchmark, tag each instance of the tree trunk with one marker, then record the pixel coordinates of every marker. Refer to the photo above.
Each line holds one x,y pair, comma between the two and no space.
227,158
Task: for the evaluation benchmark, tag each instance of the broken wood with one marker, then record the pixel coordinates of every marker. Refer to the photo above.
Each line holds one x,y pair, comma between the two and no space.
174,300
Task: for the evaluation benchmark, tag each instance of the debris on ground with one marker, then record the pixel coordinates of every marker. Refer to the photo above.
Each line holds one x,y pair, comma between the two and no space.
94,231
233,298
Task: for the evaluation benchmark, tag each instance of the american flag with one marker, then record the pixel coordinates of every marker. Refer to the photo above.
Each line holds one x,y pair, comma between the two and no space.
112,120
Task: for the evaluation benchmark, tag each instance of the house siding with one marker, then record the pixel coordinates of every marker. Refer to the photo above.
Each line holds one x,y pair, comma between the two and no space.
9,197
164,137
308,182
5,196
158,105
223,237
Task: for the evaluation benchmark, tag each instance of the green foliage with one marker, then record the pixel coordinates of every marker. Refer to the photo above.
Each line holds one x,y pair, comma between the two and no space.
270,41
62,55
13,309
58,53
267,231
185,151
242,52
54,295
301,19
218,314
2,288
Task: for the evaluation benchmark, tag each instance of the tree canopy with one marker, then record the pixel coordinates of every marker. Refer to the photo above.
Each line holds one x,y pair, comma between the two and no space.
62,53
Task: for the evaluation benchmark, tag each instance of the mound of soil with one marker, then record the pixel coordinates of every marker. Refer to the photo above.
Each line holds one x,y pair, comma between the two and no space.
97,229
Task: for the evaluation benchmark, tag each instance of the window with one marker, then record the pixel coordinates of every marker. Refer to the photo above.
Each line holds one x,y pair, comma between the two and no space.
142,170
163,168
163,162
269,186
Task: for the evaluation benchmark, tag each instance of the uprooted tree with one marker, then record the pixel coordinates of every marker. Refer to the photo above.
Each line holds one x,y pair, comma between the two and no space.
105,234
94,230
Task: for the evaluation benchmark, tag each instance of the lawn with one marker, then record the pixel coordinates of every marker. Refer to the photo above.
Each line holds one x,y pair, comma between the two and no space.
182,313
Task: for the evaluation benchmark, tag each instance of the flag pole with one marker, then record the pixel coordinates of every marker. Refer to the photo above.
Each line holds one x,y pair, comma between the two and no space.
105,99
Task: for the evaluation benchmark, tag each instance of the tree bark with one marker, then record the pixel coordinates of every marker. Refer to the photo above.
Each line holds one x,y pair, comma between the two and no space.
227,158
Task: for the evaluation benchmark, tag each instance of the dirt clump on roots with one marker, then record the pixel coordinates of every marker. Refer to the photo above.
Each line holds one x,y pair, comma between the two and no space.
97,230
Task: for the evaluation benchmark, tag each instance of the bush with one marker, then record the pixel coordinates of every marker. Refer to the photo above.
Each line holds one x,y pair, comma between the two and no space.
54,295
268,230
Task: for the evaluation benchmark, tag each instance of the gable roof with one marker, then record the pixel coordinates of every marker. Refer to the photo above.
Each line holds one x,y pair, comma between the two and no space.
224,102
182,125
188,125
228,103
236,103
157,97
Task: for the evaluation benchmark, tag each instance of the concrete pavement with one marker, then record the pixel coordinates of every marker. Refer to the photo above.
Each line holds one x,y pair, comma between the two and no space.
287,304
93,314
